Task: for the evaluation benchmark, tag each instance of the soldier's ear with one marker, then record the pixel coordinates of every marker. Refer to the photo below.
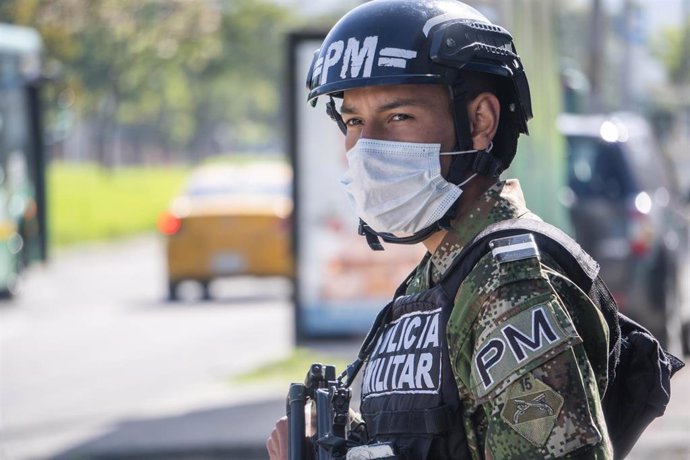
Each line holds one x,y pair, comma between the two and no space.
484,111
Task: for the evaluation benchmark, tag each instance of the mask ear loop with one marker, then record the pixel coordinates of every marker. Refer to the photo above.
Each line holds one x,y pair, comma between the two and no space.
462,152
479,161
444,222
467,180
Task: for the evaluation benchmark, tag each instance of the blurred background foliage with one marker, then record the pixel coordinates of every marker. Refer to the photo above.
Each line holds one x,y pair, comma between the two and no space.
673,47
149,81
140,88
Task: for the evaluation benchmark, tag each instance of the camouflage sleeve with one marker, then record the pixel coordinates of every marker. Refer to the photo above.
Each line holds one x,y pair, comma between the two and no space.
528,388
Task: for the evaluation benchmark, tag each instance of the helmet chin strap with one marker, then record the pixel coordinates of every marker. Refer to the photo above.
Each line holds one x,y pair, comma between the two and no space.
373,236
478,161
333,113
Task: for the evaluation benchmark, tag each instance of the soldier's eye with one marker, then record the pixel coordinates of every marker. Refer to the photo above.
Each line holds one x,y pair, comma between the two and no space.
400,117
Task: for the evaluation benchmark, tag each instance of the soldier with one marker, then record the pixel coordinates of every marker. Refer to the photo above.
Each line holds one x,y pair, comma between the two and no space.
434,98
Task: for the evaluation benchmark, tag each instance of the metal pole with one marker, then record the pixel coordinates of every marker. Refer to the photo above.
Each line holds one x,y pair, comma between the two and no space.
596,55
626,75
685,55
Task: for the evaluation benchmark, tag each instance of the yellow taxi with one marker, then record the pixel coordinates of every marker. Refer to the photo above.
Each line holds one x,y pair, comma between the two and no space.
229,220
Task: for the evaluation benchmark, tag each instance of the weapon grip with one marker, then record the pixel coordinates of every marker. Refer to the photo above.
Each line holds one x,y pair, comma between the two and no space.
297,398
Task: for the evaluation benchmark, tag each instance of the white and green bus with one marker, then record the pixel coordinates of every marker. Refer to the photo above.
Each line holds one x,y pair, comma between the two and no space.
22,161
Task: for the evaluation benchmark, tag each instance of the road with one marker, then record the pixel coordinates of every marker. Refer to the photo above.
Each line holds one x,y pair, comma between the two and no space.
93,359
90,341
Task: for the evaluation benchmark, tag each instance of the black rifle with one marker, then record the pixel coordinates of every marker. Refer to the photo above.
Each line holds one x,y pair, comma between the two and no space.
330,399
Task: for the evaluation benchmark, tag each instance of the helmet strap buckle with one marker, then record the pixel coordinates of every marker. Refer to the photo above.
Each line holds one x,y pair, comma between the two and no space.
371,236
486,164
335,115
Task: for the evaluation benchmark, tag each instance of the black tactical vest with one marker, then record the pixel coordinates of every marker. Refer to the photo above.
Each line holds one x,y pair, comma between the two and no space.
409,395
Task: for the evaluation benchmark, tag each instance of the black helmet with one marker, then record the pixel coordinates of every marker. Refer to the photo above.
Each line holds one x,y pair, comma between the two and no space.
387,42
384,42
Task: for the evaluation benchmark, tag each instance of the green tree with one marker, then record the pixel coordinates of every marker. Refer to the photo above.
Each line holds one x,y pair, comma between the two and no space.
673,48
242,92
166,73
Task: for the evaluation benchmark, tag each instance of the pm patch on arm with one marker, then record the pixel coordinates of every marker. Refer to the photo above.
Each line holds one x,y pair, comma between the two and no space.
529,337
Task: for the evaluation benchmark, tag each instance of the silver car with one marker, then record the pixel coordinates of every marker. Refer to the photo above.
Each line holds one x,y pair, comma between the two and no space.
628,213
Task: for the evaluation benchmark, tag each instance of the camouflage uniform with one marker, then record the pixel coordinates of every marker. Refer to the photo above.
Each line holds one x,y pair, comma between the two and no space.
541,397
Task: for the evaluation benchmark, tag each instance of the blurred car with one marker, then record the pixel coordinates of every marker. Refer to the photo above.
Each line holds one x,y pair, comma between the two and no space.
229,220
629,215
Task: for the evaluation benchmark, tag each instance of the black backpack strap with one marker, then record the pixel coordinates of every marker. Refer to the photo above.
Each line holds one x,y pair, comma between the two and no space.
600,295
579,266
565,251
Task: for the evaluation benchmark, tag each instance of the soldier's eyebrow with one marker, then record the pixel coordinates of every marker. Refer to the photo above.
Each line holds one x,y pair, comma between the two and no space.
392,105
347,109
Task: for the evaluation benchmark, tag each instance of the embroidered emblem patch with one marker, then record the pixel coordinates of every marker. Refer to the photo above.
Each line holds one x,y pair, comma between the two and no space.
516,342
531,409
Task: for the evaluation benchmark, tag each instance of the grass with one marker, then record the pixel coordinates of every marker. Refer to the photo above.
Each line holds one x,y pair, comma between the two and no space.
89,203
293,368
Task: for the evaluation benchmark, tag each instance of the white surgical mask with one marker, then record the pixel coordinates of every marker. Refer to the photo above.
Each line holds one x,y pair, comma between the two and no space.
397,187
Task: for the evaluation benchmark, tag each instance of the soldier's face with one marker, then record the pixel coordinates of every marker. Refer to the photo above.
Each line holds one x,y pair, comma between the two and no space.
402,113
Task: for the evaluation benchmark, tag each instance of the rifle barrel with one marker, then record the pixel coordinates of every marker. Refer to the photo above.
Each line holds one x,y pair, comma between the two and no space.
297,398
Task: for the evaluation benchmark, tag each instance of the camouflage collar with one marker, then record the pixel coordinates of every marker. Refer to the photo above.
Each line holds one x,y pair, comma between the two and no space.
504,200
